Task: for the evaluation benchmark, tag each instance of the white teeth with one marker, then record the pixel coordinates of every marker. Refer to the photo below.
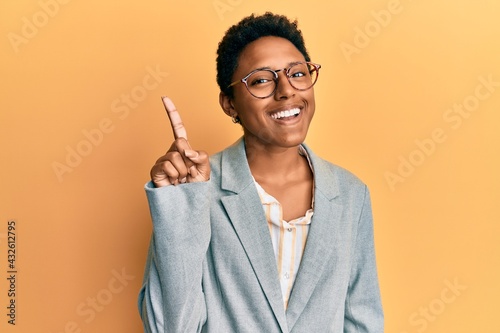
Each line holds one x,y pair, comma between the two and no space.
287,113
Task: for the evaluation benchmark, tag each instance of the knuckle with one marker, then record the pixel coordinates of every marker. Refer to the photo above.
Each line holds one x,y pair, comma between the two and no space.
203,154
180,141
178,125
172,155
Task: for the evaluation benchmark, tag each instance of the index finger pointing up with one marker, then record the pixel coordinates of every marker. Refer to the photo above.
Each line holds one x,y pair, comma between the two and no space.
175,118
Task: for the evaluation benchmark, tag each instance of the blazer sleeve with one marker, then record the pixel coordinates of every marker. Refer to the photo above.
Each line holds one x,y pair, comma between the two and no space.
363,304
171,298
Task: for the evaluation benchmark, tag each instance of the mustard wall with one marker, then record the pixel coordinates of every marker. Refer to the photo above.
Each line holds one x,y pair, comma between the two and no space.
408,99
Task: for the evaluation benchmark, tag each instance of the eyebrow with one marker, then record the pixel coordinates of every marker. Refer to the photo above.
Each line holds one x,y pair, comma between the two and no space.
269,67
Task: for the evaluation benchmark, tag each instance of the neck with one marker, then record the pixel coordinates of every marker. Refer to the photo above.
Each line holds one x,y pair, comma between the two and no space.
278,164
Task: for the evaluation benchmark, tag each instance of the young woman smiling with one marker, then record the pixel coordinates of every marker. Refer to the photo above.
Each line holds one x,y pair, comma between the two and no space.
264,236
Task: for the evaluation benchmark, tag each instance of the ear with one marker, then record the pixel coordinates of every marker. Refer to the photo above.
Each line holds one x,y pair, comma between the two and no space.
226,103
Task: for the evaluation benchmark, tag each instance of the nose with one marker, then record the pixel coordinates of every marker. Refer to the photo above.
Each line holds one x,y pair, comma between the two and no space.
284,89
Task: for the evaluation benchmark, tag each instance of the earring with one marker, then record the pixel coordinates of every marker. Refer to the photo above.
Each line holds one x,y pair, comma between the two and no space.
235,119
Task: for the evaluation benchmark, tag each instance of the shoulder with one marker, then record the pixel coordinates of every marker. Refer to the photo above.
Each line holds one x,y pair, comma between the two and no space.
233,154
343,175
334,179
230,169
217,158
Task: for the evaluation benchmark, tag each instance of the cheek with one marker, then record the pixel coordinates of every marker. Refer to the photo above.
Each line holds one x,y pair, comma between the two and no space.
241,97
246,105
310,100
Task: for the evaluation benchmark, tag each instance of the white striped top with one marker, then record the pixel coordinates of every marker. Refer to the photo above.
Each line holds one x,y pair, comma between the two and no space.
288,238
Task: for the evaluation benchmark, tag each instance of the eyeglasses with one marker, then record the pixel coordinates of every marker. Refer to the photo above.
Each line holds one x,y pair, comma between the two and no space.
262,82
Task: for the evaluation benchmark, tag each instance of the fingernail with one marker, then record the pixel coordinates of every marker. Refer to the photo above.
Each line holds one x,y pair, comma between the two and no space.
183,180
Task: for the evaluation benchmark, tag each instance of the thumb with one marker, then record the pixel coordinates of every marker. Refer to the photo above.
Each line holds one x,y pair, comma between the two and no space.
193,155
201,169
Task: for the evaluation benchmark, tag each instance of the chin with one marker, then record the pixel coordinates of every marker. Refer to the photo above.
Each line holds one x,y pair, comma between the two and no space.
293,141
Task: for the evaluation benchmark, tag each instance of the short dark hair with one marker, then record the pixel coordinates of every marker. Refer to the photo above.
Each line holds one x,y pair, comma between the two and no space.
246,31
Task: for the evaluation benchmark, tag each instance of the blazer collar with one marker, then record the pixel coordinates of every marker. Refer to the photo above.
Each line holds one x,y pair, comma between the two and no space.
325,239
235,171
325,181
245,212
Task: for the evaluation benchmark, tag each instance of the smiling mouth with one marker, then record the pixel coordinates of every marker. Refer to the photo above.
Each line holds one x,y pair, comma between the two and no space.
286,114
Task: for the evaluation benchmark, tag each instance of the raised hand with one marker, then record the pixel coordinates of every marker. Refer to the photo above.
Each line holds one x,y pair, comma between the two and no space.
181,164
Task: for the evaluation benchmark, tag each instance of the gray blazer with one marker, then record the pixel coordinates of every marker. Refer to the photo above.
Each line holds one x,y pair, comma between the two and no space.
211,266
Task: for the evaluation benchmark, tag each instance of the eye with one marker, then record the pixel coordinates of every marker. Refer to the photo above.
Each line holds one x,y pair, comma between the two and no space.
259,81
261,78
298,74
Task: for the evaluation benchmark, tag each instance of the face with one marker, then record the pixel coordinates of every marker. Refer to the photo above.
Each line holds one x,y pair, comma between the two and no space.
263,120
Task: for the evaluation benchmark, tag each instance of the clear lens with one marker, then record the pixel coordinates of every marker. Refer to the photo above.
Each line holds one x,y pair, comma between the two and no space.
302,76
262,83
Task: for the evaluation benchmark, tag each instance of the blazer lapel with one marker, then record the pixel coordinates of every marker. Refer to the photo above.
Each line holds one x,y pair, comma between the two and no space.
245,212
323,239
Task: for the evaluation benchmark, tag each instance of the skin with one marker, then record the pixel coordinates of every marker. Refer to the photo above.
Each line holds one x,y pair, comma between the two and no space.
271,144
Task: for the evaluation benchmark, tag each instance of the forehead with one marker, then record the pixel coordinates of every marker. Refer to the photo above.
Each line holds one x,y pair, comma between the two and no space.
270,51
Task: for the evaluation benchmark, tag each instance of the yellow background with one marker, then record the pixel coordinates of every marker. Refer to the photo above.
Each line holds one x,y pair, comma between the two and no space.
437,225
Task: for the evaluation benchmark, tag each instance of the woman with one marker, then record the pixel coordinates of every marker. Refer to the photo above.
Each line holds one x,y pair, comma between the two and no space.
264,236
